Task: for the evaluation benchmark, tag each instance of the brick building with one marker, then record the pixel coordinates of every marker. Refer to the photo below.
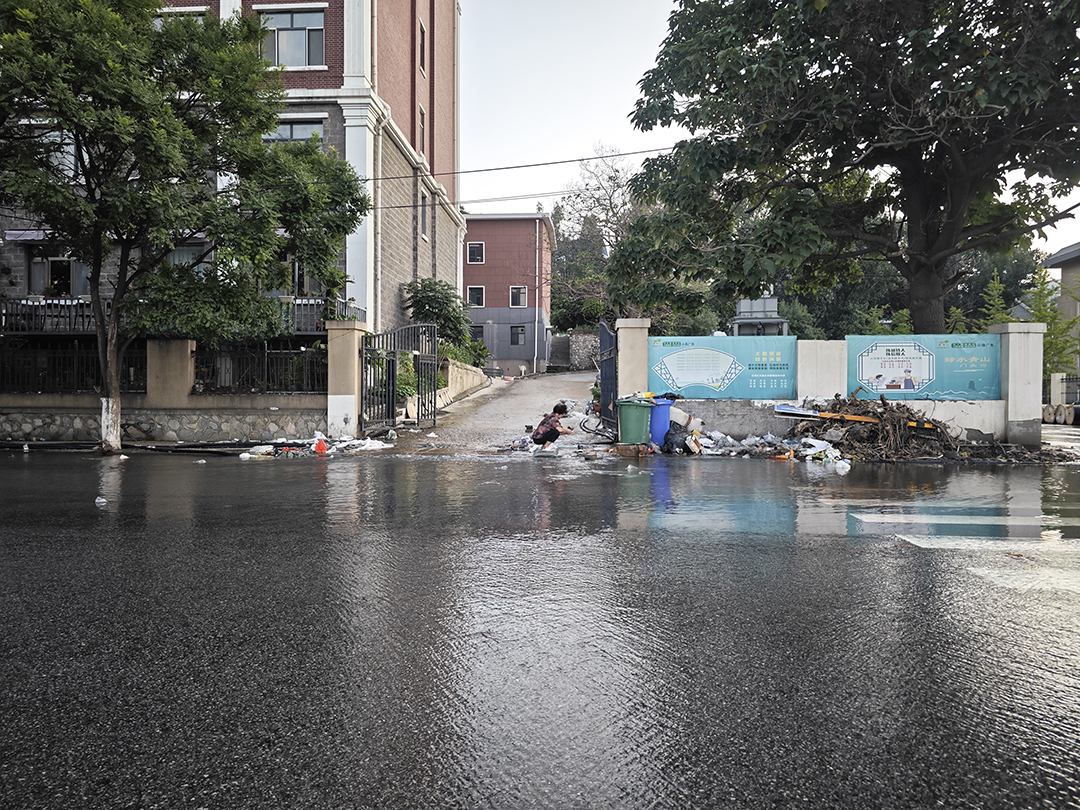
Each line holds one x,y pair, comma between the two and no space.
378,81
507,281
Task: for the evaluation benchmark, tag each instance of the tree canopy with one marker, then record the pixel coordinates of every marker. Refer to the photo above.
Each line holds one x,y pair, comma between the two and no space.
126,133
828,130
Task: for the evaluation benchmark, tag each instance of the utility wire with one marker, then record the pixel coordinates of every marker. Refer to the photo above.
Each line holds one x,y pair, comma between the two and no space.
527,165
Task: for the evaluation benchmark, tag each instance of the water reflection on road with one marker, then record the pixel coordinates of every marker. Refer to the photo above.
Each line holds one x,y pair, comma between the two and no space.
496,631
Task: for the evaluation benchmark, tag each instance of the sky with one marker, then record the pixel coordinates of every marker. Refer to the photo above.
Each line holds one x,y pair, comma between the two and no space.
550,83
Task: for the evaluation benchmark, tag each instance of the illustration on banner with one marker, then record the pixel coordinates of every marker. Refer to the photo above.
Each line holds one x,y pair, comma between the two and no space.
698,366
895,366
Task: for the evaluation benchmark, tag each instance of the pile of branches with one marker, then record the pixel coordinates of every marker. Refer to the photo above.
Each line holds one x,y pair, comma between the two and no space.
890,430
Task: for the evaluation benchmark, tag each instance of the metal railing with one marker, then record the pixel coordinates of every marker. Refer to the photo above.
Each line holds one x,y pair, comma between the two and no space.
64,367
261,370
36,315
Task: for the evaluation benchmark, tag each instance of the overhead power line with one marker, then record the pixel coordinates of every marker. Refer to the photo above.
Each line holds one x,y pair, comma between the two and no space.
527,165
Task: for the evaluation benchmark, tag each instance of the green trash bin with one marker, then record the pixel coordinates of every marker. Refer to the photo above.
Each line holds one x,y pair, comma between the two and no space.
634,420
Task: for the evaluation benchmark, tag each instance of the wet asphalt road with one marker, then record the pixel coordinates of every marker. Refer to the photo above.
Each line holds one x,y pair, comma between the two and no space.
493,631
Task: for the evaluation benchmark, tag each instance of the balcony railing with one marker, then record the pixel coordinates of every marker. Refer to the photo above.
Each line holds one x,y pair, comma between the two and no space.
37,315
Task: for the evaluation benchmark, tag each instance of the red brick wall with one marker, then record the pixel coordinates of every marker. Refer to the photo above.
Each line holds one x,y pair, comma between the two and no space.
334,44
509,260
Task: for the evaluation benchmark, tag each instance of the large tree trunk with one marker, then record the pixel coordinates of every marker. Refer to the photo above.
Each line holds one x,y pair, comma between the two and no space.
926,301
110,401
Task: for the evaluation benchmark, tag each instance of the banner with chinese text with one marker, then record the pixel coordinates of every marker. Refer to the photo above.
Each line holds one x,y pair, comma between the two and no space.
723,367
925,366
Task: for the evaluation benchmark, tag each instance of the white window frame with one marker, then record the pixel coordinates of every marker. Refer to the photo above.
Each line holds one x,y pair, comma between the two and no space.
422,134
424,214
468,252
295,8
421,47
318,126
524,295
468,294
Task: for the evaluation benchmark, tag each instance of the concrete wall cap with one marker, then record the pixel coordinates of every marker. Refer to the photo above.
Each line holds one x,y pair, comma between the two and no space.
1018,328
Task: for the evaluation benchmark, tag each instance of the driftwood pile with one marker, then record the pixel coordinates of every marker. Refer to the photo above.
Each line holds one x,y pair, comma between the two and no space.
900,433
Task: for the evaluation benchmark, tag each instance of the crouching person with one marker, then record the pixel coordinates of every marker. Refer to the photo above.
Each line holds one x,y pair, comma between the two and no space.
551,427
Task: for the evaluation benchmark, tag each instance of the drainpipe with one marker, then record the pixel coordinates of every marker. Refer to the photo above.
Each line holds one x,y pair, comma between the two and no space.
536,302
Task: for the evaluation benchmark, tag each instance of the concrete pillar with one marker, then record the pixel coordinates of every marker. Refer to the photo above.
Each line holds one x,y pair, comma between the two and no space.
633,369
821,371
343,344
170,373
1021,380
1057,389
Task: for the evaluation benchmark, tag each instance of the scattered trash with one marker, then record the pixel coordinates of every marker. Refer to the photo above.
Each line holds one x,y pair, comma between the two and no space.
200,461
122,458
890,430
26,448
99,501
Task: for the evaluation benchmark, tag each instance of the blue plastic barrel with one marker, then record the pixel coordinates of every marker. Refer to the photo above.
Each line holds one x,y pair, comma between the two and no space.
659,421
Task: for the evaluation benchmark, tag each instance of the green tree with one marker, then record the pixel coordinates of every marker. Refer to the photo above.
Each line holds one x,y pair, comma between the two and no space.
115,121
846,129
956,322
1015,269
429,300
994,310
1059,345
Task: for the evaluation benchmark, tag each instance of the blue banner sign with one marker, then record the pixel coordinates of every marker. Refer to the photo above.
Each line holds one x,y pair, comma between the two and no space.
925,366
723,367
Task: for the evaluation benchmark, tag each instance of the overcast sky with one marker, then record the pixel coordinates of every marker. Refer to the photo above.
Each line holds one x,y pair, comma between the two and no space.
550,82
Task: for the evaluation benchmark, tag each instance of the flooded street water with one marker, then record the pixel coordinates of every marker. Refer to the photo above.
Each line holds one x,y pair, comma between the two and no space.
494,631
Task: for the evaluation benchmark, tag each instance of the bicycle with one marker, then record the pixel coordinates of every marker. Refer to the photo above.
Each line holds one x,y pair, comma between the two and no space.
594,425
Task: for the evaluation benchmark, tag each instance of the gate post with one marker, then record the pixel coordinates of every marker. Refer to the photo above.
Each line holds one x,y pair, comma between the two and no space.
1021,380
633,372
343,341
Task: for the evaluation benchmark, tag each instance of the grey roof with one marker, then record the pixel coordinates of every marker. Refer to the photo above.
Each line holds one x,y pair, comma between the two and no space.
1064,256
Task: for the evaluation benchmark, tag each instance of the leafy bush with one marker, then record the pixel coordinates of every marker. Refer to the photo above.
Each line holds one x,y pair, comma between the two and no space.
475,353
431,301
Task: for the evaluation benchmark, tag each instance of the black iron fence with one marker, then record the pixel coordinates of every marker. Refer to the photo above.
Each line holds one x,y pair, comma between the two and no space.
64,366
39,315
36,315
261,370
399,369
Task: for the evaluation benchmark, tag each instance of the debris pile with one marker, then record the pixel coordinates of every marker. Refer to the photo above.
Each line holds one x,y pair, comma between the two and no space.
890,430
319,445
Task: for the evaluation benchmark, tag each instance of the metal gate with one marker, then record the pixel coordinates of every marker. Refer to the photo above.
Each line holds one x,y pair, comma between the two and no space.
609,351
399,366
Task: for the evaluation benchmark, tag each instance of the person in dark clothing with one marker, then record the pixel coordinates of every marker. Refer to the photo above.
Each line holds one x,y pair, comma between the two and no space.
551,427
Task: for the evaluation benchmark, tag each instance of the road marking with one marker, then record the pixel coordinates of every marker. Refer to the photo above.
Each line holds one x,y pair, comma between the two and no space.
969,520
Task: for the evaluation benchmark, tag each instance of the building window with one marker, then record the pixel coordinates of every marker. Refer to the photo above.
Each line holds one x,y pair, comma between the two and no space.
422,48
475,253
295,38
423,213
519,297
298,131
475,296
478,332
517,335
57,276
422,126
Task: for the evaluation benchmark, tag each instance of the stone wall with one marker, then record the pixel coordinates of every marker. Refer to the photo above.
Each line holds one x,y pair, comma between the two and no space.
156,426
584,351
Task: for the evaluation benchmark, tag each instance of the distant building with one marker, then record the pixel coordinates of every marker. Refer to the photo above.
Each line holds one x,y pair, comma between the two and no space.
1068,261
378,83
507,282
757,317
